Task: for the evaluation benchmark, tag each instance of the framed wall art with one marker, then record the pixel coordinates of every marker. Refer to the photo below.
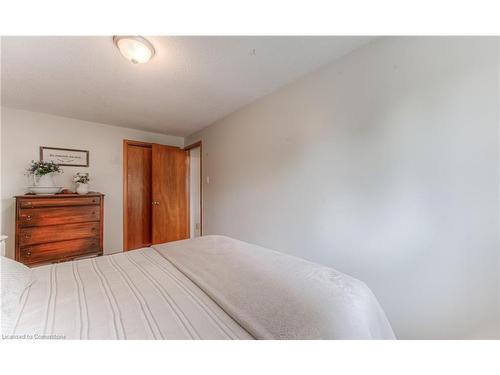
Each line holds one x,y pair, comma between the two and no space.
65,156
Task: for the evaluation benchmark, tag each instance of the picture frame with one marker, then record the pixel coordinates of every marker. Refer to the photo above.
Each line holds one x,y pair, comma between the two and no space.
65,156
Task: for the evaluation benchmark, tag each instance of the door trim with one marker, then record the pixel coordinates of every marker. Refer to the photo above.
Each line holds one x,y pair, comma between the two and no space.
188,148
126,144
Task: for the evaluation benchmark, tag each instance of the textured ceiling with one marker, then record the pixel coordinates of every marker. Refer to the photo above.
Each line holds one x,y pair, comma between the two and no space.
190,83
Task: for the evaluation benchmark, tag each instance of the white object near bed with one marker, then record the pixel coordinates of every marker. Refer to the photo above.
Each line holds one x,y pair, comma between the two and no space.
211,287
15,280
2,245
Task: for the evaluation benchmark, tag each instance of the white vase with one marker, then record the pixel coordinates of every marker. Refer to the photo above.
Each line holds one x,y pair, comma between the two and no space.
82,188
44,181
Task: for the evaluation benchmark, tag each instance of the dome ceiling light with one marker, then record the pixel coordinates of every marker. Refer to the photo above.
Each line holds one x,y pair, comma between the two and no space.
135,49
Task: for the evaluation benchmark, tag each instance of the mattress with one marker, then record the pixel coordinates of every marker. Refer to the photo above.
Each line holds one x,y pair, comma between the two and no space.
133,295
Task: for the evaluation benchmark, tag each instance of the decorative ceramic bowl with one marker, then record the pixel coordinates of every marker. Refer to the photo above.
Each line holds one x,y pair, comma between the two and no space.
44,190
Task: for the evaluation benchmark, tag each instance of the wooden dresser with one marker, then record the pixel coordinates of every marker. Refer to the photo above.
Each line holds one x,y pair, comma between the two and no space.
60,227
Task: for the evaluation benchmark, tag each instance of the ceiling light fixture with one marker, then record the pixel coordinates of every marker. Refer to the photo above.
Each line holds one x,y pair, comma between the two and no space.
136,49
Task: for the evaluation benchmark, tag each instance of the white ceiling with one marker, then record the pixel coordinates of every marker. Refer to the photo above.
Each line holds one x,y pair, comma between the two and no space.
190,83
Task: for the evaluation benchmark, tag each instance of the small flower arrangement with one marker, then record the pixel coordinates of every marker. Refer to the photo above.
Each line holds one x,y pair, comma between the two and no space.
81,178
41,168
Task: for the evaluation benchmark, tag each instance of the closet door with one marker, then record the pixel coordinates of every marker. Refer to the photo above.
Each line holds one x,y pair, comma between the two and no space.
137,195
170,194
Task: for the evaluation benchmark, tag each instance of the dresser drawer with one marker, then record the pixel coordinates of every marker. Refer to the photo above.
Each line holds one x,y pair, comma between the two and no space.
55,251
34,235
30,217
59,202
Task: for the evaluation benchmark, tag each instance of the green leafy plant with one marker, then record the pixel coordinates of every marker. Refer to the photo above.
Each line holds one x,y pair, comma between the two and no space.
41,168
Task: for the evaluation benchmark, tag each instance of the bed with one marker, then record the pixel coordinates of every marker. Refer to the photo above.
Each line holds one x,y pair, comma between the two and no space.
211,287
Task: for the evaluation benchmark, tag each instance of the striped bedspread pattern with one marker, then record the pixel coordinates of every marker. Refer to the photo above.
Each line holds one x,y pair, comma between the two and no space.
132,295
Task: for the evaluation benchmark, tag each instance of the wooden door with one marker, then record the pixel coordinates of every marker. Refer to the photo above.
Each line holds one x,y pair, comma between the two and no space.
137,195
170,194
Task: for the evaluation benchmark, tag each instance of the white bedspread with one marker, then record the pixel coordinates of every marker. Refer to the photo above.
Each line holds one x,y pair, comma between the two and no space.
277,296
132,295
212,287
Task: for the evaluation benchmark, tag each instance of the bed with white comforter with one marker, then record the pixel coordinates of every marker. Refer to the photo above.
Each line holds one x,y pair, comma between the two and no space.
211,287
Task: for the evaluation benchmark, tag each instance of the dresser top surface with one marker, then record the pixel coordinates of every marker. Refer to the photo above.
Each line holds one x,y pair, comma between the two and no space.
34,196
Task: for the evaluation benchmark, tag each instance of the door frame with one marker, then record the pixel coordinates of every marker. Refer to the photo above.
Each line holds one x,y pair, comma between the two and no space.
188,148
129,142
126,144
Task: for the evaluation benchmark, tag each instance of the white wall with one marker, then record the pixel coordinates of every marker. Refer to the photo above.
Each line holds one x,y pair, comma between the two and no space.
22,134
383,165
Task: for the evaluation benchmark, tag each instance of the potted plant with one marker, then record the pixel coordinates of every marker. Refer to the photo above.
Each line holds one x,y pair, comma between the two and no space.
43,172
82,183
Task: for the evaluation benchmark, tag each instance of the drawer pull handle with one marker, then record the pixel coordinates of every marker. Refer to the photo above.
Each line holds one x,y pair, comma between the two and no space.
27,252
27,236
29,204
28,218
94,201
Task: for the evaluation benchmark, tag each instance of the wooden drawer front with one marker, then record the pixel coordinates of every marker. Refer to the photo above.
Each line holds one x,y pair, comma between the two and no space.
59,202
56,251
34,235
30,217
